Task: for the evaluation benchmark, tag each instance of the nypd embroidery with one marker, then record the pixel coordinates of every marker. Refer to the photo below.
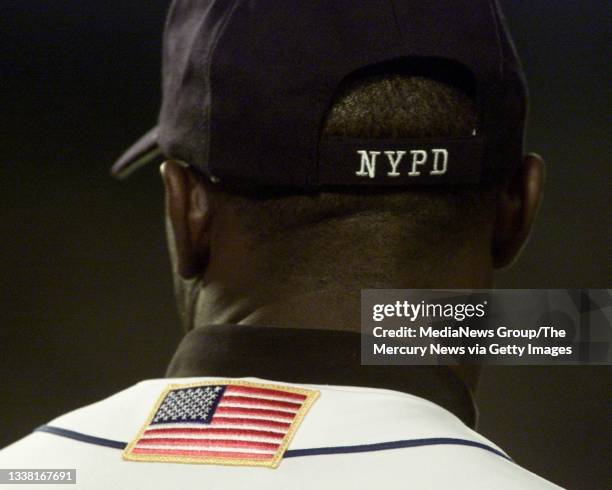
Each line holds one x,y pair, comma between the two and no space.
436,160
222,422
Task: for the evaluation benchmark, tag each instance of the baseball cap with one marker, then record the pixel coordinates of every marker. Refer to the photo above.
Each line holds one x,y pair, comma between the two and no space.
247,86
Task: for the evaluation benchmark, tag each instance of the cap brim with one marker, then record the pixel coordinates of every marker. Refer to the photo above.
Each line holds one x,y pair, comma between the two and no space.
144,151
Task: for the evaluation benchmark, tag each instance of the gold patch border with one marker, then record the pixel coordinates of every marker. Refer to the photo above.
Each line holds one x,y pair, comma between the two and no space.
311,397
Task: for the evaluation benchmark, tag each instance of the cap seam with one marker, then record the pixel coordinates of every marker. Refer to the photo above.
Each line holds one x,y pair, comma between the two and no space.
400,31
208,79
494,13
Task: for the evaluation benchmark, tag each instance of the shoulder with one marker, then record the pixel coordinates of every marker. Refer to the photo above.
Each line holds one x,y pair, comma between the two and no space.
350,438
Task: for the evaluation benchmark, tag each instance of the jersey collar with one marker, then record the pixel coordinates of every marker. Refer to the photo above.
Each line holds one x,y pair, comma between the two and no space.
311,357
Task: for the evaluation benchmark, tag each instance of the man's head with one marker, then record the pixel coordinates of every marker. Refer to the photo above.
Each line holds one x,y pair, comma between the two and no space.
316,149
328,148
237,251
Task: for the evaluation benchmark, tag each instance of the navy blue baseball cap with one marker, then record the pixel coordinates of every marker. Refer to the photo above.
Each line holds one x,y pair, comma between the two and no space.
247,86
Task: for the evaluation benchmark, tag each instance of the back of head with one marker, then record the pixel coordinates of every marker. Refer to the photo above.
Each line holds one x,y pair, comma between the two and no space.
380,233
257,98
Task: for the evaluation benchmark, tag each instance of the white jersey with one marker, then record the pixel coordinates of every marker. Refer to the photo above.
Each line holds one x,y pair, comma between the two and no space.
234,434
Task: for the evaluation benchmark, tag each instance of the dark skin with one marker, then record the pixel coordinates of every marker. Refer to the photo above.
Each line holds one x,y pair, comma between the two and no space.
220,278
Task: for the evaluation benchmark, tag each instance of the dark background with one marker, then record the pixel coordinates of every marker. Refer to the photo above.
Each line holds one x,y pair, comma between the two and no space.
87,306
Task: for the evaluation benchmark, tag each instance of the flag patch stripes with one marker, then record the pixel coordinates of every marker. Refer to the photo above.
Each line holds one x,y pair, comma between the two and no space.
222,422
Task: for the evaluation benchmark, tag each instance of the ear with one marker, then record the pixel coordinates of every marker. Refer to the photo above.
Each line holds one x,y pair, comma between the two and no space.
188,212
517,210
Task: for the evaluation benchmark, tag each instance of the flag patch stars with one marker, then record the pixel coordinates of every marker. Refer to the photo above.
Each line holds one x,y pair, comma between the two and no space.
189,404
222,422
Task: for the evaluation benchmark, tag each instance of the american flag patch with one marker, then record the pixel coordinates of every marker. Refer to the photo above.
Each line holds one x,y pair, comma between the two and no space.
222,422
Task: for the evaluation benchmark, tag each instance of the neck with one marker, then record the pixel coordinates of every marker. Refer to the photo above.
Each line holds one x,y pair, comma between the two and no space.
247,294
255,299
325,309
331,309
